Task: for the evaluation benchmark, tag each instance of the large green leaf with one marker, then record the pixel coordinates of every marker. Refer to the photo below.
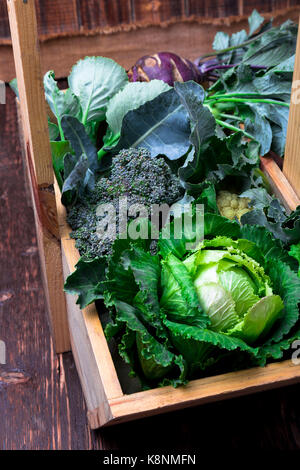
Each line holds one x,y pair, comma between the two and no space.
260,128
295,252
60,102
254,20
221,41
94,80
79,140
202,121
77,177
160,125
288,230
259,197
132,96
197,344
272,47
179,298
87,281
287,65
286,283
269,247
155,359
236,281
259,319
58,150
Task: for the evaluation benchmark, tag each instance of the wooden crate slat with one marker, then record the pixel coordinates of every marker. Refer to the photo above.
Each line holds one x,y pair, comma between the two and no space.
203,391
279,183
291,162
91,353
36,139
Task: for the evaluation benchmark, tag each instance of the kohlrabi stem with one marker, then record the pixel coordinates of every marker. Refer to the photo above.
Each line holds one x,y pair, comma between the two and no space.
233,128
223,98
249,95
232,48
217,67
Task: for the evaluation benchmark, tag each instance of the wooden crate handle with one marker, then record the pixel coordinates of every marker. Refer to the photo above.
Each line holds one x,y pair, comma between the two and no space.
291,162
23,26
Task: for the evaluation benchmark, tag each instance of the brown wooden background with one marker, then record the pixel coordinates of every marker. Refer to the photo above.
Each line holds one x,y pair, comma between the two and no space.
60,17
127,29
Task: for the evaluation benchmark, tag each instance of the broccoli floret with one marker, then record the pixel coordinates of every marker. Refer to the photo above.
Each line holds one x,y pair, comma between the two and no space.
137,176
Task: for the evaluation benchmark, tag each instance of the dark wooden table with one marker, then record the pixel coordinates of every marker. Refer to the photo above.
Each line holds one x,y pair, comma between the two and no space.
41,403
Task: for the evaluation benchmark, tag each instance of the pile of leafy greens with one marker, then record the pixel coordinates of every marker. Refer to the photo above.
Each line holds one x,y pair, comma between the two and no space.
231,302
98,97
253,77
241,116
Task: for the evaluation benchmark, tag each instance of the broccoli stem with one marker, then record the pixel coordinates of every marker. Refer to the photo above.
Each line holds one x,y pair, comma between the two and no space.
109,143
235,129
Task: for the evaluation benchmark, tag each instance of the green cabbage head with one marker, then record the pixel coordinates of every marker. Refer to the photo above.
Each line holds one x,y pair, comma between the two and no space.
232,288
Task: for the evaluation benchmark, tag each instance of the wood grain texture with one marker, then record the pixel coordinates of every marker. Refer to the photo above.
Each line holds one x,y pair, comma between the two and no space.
38,389
92,357
202,391
291,162
44,408
39,162
61,17
279,183
60,53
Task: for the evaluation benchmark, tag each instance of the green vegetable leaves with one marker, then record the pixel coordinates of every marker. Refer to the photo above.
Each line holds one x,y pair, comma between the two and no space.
179,313
60,103
160,125
94,80
132,96
87,281
273,47
254,20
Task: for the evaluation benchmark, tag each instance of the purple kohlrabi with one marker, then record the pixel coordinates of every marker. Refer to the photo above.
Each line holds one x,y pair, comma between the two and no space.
164,66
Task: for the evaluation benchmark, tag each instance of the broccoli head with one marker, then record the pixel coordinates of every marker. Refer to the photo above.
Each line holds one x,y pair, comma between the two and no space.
137,176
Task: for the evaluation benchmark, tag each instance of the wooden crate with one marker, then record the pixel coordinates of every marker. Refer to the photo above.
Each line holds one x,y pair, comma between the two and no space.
106,402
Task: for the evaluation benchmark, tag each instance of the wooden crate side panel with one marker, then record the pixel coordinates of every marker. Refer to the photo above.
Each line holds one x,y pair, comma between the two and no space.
202,391
39,163
84,358
279,183
97,371
291,162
